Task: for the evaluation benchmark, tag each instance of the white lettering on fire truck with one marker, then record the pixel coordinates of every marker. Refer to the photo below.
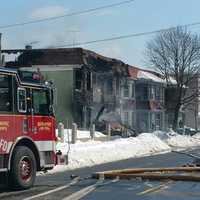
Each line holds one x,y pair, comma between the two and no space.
3,145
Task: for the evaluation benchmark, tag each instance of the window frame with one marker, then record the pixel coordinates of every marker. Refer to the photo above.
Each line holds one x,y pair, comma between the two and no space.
47,99
126,91
18,107
9,93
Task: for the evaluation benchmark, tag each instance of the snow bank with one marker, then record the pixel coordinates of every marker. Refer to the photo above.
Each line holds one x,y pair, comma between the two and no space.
91,152
183,141
173,139
164,135
86,154
196,136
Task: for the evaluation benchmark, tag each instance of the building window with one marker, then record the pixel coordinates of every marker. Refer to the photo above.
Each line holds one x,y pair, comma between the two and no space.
78,79
158,93
126,89
133,90
156,121
89,80
109,84
142,121
152,92
126,118
141,92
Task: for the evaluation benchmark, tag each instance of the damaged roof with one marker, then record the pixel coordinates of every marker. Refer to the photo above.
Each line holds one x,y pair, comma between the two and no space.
62,56
67,56
79,56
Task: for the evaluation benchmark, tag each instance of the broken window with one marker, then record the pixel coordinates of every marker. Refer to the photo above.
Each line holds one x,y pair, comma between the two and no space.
78,78
89,80
109,86
141,92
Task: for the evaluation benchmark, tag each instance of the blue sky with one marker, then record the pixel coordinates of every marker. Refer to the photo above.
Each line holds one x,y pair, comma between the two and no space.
135,17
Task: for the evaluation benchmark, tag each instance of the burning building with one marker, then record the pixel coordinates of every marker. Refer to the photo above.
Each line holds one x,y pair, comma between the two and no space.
95,89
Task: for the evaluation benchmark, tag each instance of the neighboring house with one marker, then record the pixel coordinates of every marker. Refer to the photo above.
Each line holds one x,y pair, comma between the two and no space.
149,97
95,89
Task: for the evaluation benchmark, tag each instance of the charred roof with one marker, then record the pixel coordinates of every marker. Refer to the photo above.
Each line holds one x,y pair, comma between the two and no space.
29,57
67,56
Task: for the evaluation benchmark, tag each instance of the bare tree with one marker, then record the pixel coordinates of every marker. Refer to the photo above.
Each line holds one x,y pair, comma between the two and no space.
176,55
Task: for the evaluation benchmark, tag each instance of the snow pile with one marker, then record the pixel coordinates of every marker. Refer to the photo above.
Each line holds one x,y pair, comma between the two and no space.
182,141
85,154
165,135
173,139
196,136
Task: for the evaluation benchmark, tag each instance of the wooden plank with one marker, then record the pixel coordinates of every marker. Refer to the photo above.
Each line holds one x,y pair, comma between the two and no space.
151,176
164,169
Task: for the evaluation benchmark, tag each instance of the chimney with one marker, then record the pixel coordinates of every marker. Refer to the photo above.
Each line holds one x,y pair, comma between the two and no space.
28,47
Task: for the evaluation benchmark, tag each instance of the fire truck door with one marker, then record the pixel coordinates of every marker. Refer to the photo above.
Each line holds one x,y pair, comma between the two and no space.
41,121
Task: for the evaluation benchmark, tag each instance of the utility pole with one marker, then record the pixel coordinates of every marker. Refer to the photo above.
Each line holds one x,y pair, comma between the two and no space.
0,50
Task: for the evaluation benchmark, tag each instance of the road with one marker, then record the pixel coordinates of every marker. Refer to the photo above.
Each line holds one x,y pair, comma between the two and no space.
60,186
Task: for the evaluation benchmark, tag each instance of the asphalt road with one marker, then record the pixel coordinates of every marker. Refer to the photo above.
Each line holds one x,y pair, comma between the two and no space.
59,186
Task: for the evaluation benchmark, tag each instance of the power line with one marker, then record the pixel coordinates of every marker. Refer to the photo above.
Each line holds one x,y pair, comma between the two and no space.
67,15
127,36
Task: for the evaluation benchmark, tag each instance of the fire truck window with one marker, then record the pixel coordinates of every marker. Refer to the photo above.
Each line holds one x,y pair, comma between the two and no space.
40,102
21,95
5,93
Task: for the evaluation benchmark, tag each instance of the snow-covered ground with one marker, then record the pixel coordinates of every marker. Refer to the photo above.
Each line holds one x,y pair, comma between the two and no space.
92,152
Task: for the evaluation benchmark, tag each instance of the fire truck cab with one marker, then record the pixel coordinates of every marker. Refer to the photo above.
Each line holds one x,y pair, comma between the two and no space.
27,128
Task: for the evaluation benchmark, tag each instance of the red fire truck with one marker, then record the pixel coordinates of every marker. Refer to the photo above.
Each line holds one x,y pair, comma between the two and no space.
27,128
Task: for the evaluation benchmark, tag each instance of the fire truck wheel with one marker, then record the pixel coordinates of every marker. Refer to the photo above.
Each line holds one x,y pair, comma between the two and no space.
23,168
